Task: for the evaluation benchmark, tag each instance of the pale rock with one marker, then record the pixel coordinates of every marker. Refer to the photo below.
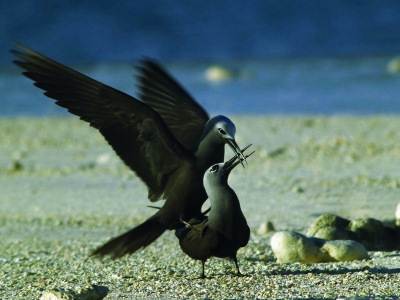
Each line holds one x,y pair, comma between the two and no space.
266,227
291,247
394,65
373,234
217,73
345,250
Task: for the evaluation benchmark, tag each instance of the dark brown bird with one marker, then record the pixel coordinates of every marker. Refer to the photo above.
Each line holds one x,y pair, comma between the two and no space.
225,230
168,140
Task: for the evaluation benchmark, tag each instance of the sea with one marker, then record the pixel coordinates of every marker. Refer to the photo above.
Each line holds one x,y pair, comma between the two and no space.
234,57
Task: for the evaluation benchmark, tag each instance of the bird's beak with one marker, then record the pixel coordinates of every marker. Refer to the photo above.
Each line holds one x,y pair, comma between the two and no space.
235,148
234,161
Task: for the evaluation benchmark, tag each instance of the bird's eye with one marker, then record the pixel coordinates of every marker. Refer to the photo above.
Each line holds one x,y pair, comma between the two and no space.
221,131
214,169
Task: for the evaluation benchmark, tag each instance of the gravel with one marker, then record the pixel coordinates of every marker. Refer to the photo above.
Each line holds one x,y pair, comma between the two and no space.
64,192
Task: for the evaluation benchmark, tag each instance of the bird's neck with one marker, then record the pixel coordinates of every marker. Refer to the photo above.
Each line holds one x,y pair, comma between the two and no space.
224,208
219,192
208,151
215,190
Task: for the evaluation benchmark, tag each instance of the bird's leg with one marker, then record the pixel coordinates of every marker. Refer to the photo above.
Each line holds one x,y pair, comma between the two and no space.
203,262
189,225
237,267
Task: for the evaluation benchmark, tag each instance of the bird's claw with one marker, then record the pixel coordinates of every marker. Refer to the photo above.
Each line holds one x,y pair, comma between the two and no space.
188,224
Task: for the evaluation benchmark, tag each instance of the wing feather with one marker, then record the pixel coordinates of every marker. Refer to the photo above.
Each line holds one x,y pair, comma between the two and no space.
175,105
135,131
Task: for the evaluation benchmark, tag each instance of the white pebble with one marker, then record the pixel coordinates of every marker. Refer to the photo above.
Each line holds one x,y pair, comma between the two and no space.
266,227
394,65
218,73
345,250
103,159
290,246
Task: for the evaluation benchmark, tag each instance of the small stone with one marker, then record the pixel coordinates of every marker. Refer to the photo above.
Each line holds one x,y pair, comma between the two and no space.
298,190
88,292
291,246
327,220
366,225
103,159
217,73
266,227
371,233
333,233
374,235
394,65
345,250
57,295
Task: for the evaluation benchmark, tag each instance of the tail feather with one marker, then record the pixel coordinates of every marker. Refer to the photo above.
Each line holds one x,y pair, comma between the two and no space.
133,240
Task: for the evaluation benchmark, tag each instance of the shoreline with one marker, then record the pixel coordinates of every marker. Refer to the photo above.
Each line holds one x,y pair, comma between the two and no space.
64,192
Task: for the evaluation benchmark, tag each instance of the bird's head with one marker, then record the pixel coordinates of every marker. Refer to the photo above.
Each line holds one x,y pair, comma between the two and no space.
224,131
220,172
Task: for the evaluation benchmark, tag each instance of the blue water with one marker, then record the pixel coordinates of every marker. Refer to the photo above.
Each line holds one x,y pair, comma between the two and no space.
359,85
121,31
298,56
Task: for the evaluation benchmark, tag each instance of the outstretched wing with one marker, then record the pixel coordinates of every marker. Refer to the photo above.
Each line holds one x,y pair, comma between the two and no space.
134,130
165,95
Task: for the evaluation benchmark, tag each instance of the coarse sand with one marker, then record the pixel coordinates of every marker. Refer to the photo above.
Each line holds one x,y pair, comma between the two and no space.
63,192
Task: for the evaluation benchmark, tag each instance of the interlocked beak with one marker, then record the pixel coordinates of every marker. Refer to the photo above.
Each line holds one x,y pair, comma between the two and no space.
234,161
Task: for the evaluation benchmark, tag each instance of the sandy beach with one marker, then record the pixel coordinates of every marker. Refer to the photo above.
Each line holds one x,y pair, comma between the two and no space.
63,192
